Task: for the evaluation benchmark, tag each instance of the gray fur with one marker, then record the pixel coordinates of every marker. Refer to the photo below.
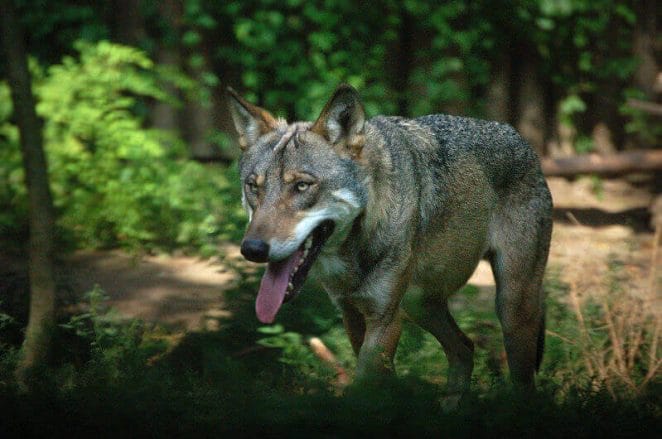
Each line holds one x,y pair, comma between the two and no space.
432,195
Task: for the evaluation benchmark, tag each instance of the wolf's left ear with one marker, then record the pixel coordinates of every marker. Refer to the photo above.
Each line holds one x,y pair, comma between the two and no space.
342,120
250,120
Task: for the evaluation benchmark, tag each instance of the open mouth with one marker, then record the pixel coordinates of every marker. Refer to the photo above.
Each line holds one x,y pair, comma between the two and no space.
283,280
307,254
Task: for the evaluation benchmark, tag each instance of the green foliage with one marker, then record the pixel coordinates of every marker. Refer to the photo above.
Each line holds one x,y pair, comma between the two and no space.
570,106
114,181
641,124
416,57
291,55
306,370
12,191
584,144
293,350
410,57
54,25
583,42
597,187
358,43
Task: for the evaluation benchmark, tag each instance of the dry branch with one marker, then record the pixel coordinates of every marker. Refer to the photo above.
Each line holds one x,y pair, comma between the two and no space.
649,107
323,353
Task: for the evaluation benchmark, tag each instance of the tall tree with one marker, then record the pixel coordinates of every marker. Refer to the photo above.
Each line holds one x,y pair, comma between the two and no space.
531,99
164,115
42,285
127,21
643,45
498,96
199,118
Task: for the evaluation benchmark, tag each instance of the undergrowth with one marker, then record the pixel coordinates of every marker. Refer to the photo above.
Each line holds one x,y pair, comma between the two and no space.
114,377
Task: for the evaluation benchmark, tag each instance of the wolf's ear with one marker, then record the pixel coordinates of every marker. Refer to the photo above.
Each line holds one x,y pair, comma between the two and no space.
342,120
250,120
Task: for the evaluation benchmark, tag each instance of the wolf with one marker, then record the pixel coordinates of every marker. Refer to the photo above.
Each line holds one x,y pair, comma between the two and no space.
379,205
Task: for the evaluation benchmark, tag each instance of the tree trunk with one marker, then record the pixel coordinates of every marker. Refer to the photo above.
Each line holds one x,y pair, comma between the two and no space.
404,55
42,285
531,104
643,45
128,22
644,39
224,121
498,91
164,115
199,117
198,121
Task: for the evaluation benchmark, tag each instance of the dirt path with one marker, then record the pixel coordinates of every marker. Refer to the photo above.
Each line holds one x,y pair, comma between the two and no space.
175,290
594,226
603,236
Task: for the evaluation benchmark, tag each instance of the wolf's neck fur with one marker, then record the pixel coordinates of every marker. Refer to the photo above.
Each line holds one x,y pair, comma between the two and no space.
377,162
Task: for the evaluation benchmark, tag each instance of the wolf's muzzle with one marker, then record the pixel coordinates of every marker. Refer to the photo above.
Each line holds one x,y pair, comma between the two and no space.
255,250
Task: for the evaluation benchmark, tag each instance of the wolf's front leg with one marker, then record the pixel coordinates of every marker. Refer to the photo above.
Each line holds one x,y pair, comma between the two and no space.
382,294
379,346
354,324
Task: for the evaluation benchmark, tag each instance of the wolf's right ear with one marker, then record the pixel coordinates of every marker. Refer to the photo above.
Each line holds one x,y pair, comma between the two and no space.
250,120
342,120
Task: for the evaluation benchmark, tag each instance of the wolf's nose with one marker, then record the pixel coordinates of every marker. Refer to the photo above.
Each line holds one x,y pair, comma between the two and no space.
255,250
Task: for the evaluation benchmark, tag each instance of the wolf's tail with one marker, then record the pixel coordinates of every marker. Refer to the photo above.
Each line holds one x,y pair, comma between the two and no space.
541,341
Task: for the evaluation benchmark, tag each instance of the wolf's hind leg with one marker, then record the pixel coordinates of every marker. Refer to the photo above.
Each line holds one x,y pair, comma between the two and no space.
430,312
518,268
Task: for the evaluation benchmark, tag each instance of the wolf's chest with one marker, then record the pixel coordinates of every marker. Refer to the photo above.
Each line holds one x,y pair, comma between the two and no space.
338,275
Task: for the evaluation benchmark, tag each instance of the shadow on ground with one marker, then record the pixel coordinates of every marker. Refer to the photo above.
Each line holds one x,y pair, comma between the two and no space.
638,218
236,332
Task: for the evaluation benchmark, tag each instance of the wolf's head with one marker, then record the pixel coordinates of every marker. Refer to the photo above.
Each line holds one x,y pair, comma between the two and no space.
302,186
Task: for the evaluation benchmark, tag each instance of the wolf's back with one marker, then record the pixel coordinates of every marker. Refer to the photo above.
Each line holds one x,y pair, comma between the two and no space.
497,147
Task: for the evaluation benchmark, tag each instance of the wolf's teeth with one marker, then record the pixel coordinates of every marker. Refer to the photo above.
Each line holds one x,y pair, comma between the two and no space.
290,286
305,254
309,242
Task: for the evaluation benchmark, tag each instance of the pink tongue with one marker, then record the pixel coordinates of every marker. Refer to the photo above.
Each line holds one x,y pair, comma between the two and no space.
273,287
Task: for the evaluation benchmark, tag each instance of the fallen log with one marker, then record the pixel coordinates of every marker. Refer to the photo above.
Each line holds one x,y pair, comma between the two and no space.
612,164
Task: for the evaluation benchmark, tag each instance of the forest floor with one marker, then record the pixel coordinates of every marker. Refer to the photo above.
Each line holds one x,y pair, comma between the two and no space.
598,224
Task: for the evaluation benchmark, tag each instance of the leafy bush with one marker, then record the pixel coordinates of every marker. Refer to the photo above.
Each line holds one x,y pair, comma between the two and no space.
114,181
117,347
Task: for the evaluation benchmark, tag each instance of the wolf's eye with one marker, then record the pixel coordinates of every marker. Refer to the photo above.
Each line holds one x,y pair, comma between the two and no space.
302,186
251,187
